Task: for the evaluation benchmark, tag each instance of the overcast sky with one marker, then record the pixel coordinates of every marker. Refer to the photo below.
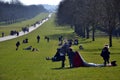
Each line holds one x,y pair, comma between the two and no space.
29,2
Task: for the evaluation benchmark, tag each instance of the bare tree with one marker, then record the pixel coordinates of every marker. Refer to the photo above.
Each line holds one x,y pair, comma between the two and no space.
86,14
109,17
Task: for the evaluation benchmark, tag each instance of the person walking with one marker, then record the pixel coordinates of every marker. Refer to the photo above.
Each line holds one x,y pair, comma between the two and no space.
3,34
105,53
17,45
38,39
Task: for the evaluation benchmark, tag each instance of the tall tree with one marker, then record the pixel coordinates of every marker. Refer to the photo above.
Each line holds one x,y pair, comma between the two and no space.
86,14
10,13
110,17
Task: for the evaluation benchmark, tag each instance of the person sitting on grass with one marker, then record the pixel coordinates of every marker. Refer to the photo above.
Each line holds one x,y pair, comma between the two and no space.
81,47
59,56
34,49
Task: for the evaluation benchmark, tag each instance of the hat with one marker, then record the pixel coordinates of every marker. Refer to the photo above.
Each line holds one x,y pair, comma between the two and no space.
106,45
70,49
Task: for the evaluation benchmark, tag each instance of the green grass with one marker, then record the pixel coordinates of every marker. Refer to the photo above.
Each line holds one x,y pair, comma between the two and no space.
27,65
18,26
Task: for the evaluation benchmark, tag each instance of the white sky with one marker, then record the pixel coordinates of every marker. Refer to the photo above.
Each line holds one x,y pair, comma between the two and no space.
29,2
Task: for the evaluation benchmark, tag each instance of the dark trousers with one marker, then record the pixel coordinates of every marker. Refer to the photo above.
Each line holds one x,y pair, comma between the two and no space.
63,61
106,60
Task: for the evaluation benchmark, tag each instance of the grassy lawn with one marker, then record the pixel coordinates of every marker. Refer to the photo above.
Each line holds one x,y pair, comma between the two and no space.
18,26
27,65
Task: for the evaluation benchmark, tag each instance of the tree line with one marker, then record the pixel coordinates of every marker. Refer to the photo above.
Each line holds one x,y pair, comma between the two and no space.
87,16
14,11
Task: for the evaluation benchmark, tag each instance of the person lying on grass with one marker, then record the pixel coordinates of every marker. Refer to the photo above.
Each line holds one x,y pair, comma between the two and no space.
78,61
30,48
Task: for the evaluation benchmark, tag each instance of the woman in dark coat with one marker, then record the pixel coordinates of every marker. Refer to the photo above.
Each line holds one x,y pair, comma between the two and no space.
105,54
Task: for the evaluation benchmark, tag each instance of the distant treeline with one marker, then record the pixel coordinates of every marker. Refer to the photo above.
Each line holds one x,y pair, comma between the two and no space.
13,12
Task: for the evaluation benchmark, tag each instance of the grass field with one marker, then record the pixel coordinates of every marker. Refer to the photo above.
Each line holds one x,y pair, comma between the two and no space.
27,65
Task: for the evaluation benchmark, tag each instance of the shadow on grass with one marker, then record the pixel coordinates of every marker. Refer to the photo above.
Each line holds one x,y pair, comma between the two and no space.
65,68
60,68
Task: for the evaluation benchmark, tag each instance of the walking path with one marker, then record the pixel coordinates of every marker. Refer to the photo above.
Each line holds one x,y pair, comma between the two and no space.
21,33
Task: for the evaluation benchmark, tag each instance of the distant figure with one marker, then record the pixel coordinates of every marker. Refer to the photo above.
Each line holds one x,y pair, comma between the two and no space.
81,47
17,45
3,34
70,42
76,42
28,48
25,40
17,33
60,40
47,38
34,49
105,54
38,39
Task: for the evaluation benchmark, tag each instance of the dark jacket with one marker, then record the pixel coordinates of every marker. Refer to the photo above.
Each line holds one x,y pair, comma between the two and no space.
105,53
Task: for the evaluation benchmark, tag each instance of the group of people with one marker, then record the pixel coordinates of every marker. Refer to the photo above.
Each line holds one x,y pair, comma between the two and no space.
70,41
76,60
27,48
26,40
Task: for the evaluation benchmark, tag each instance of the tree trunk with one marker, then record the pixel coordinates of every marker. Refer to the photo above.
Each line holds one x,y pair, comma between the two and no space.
79,30
110,40
87,33
93,33
83,32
